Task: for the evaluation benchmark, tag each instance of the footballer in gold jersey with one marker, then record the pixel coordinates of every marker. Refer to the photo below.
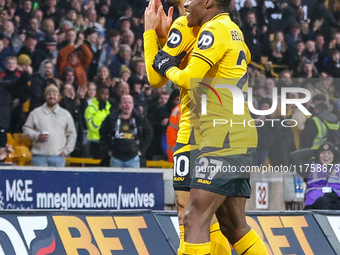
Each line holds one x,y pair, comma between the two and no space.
221,55
180,39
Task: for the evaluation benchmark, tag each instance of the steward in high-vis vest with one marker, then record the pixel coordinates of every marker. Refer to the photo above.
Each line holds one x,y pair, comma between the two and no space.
95,114
323,126
171,131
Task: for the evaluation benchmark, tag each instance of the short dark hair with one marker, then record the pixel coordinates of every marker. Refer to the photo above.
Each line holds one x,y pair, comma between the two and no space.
102,87
224,3
322,107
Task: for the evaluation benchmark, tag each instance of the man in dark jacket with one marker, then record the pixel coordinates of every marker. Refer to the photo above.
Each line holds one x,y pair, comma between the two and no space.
91,38
9,90
126,134
30,48
40,80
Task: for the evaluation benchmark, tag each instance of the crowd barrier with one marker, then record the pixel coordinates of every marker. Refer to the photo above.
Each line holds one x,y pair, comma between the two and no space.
99,210
85,188
26,232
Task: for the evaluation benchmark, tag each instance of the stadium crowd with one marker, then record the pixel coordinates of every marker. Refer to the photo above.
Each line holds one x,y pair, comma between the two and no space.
92,52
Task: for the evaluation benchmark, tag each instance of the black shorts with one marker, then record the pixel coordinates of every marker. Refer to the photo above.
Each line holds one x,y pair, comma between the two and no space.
224,175
183,167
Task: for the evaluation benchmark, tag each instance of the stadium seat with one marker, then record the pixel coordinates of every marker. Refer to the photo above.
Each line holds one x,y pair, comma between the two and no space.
20,156
21,139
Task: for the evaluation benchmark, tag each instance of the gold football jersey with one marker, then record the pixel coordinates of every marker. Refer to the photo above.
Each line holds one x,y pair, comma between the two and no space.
180,38
220,56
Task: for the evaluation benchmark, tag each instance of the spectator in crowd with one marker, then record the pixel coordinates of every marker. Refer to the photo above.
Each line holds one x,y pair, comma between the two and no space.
34,28
38,14
9,32
70,39
323,187
320,13
139,70
69,77
322,52
333,64
126,134
305,33
254,37
290,15
49,46
136,88
310,53
103,77
324,87
121,89
30,49
317,127
111,49
48,27
317,99
122,58
22,15
91,17
52,131
95,114
293,36
52,11
75,5
278,49
159,119
269,84
39,82
295,57
10,88
124,74
19,93
234,14
247,7
75,104
77,57
259,93
91,44
91,92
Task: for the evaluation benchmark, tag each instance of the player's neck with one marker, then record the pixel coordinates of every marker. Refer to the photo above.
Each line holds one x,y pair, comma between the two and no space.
210,14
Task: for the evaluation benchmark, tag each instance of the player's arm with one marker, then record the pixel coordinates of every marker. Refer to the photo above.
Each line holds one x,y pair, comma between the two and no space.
150,51
206,54
154,18
197,68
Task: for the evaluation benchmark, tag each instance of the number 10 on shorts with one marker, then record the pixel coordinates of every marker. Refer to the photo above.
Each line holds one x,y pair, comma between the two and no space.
181,165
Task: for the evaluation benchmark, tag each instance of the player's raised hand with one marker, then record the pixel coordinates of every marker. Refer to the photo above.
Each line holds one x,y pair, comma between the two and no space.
151,19
165,20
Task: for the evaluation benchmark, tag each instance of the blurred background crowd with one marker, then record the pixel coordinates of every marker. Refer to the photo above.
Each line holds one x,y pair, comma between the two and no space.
92,52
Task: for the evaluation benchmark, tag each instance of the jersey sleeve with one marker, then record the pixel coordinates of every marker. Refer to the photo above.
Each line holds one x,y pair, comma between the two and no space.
150,39
180,38
207,52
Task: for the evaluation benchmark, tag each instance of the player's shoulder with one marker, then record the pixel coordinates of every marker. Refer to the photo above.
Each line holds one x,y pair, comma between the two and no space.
220,22
180,23
180,33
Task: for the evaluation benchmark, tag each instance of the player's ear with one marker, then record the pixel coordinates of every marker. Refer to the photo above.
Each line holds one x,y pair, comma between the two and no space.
209,4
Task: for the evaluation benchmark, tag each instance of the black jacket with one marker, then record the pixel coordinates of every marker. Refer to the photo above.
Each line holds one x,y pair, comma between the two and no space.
107,131
8,90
